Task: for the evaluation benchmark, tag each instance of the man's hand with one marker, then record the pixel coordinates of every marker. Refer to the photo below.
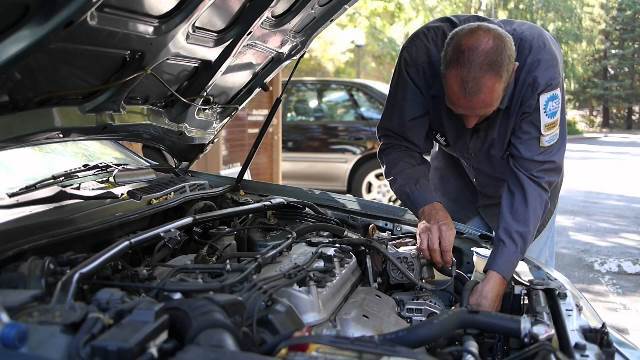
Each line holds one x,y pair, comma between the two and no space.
435,235
487,296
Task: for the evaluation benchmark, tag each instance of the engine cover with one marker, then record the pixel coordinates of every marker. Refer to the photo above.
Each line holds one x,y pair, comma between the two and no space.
315,304
368,312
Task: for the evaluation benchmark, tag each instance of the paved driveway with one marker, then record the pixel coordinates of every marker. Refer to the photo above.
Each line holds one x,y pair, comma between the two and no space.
598,227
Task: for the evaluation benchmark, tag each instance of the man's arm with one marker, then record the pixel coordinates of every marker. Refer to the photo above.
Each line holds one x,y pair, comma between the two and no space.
403,132
536,156
403,135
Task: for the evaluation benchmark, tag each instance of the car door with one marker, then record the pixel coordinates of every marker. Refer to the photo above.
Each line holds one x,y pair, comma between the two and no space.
325,130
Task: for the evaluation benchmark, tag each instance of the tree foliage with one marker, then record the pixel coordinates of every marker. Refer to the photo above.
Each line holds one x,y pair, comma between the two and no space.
610,79
600,41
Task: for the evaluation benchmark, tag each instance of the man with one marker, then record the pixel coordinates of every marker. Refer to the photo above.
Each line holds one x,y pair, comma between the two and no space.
490,94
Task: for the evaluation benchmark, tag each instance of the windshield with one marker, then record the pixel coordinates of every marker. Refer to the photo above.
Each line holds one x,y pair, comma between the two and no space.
22,166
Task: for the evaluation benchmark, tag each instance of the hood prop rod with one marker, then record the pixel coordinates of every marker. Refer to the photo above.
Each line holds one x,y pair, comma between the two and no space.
265,126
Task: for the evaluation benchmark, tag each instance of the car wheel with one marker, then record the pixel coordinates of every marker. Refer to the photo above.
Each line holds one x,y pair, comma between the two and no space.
369,183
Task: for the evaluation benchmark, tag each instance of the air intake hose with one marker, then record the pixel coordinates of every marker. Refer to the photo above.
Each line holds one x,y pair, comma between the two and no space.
446,323
330,228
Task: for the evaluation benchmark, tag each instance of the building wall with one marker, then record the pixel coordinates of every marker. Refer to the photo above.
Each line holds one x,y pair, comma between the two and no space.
238,136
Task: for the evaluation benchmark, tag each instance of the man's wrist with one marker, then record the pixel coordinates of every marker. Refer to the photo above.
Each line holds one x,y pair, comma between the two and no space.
497,280
423,212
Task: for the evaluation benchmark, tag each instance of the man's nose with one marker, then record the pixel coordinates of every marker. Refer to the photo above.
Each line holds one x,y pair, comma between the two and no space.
470,121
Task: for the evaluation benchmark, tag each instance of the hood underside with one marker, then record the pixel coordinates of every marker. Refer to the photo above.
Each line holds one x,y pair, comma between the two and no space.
165,73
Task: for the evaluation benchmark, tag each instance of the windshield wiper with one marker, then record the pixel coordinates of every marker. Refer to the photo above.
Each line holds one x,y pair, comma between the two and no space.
68,175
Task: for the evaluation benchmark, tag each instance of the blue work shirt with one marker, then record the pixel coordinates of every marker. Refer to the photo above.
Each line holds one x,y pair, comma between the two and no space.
508,168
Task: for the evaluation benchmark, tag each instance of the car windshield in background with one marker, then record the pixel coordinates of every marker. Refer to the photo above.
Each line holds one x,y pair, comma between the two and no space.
330,103
25,165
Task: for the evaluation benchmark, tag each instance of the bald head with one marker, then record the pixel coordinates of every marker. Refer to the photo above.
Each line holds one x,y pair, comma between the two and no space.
477,62
476,50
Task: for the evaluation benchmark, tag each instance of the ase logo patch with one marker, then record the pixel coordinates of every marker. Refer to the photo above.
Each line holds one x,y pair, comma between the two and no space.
550,111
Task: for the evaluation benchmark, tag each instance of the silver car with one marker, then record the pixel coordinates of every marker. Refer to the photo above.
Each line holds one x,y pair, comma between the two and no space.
329,137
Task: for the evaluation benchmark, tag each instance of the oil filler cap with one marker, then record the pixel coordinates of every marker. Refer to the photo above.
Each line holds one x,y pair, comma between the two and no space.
13,335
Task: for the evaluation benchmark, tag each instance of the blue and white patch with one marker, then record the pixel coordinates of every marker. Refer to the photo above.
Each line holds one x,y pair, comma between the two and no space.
550,139
550,109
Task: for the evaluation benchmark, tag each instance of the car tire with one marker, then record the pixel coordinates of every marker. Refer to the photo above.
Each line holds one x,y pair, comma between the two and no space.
368,182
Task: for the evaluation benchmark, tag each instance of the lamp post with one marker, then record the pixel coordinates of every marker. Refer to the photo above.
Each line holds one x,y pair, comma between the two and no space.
358,49
358,43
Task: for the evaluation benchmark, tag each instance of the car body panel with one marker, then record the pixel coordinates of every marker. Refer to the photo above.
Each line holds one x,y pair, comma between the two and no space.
118,63
318,170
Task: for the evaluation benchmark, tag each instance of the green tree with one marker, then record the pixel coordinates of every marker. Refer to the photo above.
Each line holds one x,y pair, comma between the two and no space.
626,57
599,38
596,84
384,25
614,63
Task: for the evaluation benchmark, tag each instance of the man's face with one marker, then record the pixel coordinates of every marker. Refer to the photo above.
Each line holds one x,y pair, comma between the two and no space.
473,110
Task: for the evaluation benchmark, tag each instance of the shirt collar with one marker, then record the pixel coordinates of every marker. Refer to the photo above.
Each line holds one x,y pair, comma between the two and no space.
437,89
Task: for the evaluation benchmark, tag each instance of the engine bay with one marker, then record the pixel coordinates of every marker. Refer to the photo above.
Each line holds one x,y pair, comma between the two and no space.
260,277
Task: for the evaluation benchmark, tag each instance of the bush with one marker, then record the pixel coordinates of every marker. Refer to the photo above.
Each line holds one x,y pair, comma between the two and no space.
591,122
572,127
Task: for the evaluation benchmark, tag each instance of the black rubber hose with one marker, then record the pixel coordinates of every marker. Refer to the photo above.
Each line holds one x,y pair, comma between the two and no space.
446,271
466,292
446,323
459,282
88,331
190,317
313,207
310,228
201,207
254,236
160,253
239,254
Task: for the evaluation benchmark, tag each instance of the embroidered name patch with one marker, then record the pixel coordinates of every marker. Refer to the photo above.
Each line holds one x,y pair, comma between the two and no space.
439,138
550,109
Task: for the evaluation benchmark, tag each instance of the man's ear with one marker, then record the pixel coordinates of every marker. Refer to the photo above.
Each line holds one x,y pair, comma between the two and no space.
513,74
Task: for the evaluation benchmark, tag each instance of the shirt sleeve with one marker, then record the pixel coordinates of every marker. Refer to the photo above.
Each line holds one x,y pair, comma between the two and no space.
536,156
403,134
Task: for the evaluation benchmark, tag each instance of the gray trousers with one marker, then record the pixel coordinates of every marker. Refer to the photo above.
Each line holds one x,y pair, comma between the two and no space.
543,247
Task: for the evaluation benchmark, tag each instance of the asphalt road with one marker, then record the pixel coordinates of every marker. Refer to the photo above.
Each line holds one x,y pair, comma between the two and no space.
598,227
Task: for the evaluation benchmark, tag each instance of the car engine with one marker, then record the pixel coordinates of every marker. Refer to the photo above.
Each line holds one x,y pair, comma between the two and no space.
257,277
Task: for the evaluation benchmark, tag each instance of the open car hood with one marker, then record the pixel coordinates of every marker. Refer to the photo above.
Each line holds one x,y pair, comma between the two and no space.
107,69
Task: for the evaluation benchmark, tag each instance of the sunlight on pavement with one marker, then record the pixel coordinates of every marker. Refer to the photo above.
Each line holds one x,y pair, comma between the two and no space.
598,227
606,265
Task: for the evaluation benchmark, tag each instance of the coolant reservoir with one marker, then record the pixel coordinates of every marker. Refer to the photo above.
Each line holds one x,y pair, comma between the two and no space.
480,257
